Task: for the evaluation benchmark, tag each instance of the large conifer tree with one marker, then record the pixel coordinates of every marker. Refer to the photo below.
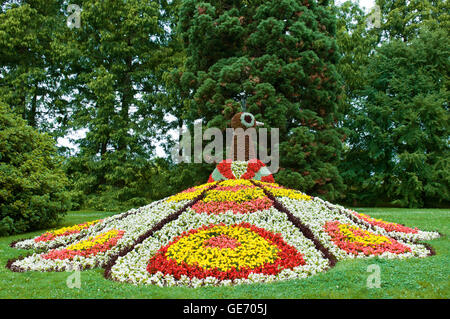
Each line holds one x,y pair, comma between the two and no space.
281,55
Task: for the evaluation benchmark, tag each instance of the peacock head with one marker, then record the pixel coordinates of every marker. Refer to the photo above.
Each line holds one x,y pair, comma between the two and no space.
244,120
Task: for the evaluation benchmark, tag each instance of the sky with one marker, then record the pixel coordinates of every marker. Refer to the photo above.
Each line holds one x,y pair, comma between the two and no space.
367,4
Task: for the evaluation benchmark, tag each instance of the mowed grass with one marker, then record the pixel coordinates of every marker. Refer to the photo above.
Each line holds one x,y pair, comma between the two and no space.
412,278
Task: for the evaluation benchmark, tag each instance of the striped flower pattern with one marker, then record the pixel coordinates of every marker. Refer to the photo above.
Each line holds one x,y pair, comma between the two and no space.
240,227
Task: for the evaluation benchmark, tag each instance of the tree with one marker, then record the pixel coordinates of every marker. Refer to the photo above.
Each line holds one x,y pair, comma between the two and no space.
33,192
115,77
372,153
399,152
404,19
357,42
30,73
281,56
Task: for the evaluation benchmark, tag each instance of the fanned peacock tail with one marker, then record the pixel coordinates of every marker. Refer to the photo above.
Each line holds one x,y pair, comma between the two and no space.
241,227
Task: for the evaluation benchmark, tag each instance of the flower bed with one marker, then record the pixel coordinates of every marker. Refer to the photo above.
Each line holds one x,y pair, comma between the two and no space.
190,194
245,207
65,231
315,213
134,267
389,227
120,233
66,239
248,249
239,196
230,232
88,247
355,240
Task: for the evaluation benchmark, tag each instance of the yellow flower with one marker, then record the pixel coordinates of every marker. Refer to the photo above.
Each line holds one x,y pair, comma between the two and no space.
253,250
366,238
75,228
235,182
92,241
238,196
279,191
189,194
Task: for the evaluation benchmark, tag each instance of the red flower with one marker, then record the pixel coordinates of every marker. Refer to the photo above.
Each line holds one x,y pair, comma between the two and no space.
224,168
237,208
389,227
288,257
69,254
355,247
268,179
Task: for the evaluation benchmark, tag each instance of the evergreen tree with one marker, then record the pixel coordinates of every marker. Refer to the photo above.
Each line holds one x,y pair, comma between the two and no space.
400,151
384,80
281,56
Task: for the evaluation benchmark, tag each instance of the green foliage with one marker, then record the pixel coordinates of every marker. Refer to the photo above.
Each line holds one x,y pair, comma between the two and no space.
33,191
356,43
29,65
116,61
281,55
399,144
403,19
396,78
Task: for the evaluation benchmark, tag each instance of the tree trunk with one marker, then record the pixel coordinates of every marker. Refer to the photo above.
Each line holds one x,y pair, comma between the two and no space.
32,113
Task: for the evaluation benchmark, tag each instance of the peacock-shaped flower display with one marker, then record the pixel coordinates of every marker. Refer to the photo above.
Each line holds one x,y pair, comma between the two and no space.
240,227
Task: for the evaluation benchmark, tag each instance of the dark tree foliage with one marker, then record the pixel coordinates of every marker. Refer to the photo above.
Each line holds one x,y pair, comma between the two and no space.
396,76
33,192
281,56
29,65
116,61
399,145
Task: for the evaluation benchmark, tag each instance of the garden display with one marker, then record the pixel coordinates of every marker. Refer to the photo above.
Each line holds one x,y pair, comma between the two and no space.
240,227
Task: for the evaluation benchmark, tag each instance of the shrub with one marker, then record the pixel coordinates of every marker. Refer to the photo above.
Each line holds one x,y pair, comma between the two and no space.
33,192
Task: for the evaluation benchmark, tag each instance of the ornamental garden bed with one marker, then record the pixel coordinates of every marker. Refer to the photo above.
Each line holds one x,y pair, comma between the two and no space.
410,278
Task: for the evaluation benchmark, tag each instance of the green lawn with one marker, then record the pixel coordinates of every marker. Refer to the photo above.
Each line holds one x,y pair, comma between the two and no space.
413,278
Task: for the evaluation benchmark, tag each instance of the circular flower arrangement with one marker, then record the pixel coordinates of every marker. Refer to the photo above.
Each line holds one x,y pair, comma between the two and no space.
225,252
